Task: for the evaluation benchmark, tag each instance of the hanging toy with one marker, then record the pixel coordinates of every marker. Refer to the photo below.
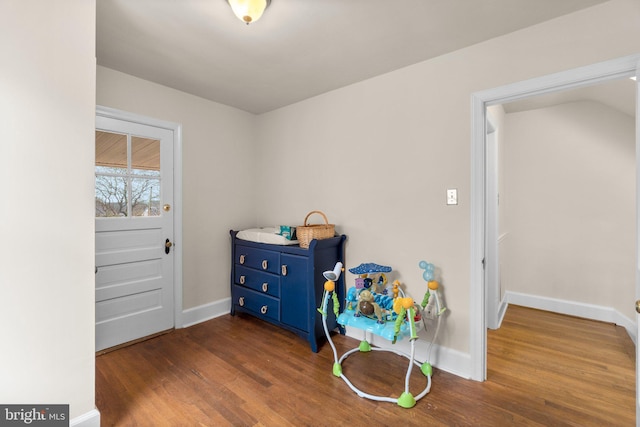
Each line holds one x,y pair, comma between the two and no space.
329,287
405,311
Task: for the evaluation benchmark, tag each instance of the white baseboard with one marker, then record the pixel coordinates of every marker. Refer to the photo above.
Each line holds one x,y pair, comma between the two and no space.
202,313
572,308
501,311
89,419
452,361
446,359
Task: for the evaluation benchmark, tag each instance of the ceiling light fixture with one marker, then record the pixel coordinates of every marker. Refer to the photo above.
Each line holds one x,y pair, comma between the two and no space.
249,11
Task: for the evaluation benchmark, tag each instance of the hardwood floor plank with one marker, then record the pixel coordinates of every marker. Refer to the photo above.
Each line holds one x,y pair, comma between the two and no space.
543,369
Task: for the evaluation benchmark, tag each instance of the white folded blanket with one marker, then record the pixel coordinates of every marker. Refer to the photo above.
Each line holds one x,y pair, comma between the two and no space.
265,235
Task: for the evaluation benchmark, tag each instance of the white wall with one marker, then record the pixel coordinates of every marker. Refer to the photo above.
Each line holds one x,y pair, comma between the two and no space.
378,156
219,174
47,106
571,204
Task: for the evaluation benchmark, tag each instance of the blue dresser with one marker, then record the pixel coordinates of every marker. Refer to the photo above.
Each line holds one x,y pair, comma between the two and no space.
283,285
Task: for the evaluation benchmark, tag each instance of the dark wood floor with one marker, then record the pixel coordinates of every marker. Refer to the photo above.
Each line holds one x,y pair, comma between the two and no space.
543,369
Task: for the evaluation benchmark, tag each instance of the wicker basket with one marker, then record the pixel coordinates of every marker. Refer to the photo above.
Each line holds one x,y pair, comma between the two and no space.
306,233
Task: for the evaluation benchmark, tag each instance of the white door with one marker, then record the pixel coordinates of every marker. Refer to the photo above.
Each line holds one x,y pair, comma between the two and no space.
134,231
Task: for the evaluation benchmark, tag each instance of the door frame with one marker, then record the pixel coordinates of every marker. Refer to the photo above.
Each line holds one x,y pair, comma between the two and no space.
176,128
481,210
494,313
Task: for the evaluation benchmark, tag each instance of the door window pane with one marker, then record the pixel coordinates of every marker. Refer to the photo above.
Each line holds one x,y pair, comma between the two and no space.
111,196
145,156
111,152
127,175
145,197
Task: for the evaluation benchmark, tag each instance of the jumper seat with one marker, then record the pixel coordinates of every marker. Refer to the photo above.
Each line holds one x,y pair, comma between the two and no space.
385,330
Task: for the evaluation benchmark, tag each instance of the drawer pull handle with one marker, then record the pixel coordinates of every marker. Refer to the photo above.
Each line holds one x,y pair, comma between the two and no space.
284,270
265,287
241,301
241,259
264,264
263,309
242,279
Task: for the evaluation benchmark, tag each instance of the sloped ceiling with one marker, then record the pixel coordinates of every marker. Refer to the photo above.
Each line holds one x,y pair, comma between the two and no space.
300,48
619,94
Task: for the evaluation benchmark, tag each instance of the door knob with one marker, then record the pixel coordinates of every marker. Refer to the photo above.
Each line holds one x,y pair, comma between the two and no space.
167,246
638,306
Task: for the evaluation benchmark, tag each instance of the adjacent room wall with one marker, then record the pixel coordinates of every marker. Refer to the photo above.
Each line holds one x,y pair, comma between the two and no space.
219,174
571,204
378,156
47,82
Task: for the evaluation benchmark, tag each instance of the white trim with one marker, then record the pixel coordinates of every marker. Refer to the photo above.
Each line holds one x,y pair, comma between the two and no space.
177,226
491,264
637,317
114,113
89,419
446,359
573,308
202,313
477,317
578,77
177,191
502,310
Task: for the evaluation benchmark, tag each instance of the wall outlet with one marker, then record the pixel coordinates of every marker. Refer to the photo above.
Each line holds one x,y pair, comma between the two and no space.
452,196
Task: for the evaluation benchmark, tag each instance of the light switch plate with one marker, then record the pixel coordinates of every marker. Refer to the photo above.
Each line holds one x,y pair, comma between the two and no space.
452,196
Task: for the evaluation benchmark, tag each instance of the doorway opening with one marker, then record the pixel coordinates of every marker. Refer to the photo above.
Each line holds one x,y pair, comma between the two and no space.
565,174
483,212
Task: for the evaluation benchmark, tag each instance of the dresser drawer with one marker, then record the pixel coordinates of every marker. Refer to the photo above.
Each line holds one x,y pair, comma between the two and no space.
259,259
258,304
266,283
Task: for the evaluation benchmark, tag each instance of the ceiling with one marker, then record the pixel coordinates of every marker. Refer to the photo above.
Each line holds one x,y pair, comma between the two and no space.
300,48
